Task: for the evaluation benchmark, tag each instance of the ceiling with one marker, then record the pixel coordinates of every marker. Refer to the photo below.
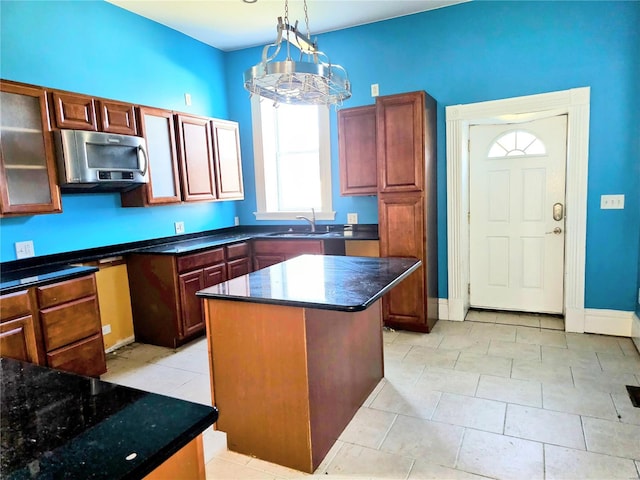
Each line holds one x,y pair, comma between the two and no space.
234,24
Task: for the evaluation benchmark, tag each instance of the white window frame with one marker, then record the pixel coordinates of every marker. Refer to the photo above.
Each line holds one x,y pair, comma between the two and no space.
326,212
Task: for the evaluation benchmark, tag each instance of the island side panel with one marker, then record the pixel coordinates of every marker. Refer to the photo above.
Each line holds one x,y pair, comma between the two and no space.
345,361
259,380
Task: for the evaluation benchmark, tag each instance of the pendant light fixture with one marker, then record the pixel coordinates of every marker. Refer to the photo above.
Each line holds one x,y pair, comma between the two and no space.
309,82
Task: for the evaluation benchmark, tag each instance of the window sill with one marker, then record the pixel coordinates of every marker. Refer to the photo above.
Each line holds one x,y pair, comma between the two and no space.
293,215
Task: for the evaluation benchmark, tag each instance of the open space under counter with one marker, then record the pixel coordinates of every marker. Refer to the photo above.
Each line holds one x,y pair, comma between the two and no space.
295,349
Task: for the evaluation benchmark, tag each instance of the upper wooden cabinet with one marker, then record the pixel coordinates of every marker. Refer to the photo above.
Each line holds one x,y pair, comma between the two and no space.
73,111
27,162
157,127
400,126
82,112
357,145
407,205
117,117
228,165
196,158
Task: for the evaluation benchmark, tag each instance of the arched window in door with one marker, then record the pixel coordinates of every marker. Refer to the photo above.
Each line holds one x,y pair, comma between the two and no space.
516,143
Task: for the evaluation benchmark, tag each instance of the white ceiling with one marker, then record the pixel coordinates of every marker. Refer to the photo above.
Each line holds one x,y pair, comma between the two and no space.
234,24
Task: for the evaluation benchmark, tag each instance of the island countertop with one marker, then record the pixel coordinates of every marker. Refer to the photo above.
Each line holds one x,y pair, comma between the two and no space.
60,425
325,282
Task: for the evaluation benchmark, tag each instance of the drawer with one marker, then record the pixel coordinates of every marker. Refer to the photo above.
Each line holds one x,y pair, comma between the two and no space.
238,250
63,292
199,260
69,323
15,305
85,357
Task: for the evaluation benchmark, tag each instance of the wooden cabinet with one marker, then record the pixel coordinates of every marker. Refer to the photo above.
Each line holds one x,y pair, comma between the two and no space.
270,252
163,289
196,158
406,152
400,126
157,127
228,165
357,146
18,330
27,160
74,111
83,112
71,328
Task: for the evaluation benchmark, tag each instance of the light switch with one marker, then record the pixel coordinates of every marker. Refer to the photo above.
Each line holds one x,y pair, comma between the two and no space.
352,218
24,249
609,202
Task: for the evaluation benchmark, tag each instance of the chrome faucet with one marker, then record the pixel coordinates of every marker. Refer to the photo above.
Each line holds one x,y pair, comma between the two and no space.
312,220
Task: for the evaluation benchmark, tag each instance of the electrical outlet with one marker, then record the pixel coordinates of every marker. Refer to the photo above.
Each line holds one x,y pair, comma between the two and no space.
612,202
106,329
236,221
187,99
375,90
352,218
24,249
179,227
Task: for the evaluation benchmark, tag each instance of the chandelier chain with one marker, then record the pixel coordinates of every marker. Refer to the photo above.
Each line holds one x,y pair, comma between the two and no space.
306,19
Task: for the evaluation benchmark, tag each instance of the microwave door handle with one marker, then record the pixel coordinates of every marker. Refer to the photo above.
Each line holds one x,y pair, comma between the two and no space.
146,159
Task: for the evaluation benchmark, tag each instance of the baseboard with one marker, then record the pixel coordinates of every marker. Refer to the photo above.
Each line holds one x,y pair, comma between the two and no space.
635,330
608,322
121,343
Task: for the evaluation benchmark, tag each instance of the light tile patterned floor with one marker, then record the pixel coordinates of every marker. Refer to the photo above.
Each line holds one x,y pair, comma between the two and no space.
507,396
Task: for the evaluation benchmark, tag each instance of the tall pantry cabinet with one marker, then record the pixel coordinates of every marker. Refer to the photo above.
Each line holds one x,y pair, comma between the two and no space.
406,164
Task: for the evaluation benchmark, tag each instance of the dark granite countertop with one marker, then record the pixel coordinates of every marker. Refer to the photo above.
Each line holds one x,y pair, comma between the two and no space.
325,282
60,425
21,274
22,279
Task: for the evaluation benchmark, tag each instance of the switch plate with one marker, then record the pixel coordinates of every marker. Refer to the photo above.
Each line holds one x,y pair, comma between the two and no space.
375,90
612,202
179,227
352,218
236,221
24,249
187,99
106,329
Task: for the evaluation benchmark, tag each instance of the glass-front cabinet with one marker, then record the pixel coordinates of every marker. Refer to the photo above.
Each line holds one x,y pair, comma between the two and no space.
27,163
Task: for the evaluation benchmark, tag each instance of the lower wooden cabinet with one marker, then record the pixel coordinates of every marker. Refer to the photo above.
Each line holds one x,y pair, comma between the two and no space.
270,252
57,325
163,287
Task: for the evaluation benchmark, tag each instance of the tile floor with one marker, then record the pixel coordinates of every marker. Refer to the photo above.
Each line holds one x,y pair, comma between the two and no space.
507,396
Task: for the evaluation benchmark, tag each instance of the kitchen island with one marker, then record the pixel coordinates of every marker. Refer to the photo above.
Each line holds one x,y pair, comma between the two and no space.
60,425
295,349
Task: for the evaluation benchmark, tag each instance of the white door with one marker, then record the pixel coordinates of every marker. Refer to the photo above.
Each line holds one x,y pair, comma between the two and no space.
516,224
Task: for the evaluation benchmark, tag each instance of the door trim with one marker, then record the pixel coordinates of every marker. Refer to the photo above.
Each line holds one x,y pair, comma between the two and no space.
575,103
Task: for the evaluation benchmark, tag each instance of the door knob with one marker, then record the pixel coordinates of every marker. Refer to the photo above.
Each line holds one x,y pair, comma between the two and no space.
556,231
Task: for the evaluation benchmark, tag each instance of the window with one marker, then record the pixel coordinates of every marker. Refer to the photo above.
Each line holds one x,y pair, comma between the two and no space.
517,143
292,160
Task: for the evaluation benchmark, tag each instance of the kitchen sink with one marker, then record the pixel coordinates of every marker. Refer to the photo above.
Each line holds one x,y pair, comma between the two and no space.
305,234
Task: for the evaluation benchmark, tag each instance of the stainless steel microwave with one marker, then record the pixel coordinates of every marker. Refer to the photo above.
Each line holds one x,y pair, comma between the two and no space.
96,161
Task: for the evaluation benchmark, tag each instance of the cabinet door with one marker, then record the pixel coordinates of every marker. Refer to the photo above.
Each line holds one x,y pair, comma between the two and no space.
85,357
357,145
74,111
214,275
228,164
238,267
196,159
157,128
402,235
266,260
117,117
27,162
400,142
17,339
192,318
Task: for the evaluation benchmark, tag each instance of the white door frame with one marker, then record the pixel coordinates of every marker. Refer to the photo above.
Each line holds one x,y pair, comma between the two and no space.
575,103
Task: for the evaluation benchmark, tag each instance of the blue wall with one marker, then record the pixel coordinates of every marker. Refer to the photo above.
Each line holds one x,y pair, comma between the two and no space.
102,50
466,53
482,51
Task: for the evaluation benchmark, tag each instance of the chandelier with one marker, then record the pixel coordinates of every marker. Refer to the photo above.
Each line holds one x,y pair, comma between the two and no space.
311,81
